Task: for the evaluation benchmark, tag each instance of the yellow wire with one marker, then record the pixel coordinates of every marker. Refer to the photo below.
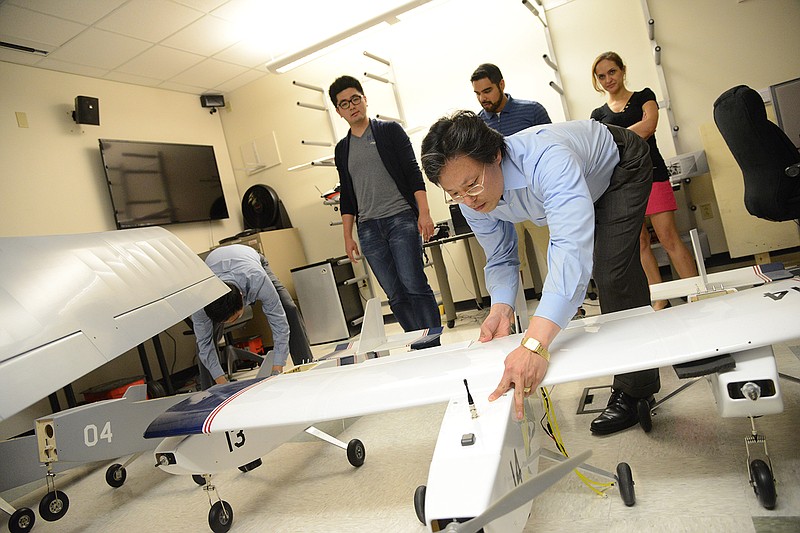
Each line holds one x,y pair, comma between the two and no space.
596,486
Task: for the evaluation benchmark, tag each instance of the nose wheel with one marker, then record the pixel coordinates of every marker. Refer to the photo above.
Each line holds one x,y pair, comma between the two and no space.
53,506
763,484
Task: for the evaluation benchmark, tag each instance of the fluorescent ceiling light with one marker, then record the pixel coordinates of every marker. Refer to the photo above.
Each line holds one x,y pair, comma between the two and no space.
289,61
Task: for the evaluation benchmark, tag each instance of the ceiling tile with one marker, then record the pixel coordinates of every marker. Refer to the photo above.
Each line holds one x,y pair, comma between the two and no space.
21,23
180,87
100,49
160,62
245,53
72,68
83,11
21,58
206,36
209,73
206,6
149,20
240,80
132,79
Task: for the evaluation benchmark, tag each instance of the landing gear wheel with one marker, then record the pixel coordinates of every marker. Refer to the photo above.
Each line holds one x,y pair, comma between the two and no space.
419,503
645,417
220,517
155,390
53,506
355,452
115,475
451,323
625,484
763,484
21,521
250,466
200,480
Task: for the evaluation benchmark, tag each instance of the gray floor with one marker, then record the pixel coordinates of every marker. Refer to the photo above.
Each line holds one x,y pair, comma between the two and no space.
690,474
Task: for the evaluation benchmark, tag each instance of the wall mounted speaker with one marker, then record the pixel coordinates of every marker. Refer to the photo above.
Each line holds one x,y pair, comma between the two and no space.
87,110
212,100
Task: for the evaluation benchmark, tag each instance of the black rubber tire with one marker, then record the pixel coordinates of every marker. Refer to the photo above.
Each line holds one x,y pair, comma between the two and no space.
220,517
115,475
645,417
22,520
53,506
251,465
419,503
200,480
625,484
155,390
763,484
356,452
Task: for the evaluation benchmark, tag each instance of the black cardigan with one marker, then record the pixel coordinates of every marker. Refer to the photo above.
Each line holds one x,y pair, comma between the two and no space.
397,155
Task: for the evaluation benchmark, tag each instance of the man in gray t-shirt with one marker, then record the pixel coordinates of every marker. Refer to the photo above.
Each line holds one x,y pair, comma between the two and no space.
382,189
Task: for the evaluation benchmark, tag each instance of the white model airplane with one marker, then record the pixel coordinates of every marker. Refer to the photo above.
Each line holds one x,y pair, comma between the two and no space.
719,282
482,452
71,303
112,429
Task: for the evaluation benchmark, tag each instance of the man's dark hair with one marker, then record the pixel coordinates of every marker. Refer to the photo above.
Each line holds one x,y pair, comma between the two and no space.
226,305
487,70
462,133
340,84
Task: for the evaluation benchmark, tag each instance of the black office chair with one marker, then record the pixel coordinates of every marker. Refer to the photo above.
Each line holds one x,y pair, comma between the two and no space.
769,161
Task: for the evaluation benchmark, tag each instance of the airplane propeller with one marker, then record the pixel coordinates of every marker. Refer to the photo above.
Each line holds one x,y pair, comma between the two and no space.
519,495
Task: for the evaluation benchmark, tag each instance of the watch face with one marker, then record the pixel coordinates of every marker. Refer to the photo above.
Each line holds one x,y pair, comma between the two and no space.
532,344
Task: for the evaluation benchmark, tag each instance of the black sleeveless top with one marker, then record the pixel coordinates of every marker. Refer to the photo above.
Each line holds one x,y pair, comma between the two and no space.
631,114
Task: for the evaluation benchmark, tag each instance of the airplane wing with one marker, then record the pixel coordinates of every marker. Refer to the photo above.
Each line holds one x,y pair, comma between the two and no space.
71,303
735,278
621,342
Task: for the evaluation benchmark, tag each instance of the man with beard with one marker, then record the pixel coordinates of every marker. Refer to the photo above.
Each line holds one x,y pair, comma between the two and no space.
517,115
501,112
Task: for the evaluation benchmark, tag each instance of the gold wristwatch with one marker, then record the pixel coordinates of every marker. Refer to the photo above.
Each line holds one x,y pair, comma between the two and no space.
535,346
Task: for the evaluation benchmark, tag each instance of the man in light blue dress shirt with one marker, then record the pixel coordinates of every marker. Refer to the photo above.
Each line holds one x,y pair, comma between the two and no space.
243,270
589,183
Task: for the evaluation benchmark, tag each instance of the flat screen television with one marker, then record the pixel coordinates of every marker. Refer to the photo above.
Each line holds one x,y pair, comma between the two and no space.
155,184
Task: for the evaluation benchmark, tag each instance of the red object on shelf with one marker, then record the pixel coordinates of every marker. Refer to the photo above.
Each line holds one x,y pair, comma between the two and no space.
112,389
252,344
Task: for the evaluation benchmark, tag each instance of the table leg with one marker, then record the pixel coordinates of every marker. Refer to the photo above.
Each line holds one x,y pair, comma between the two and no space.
444,285
475,284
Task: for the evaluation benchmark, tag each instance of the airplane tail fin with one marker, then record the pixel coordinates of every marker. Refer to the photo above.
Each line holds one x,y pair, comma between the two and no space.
373,332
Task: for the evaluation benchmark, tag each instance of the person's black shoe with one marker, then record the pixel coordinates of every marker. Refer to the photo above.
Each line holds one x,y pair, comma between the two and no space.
619,414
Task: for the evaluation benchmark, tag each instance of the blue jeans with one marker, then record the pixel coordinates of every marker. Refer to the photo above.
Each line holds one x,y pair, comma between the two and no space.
393,248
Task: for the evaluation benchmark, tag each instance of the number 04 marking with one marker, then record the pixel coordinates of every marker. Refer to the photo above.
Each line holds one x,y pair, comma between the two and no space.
90,436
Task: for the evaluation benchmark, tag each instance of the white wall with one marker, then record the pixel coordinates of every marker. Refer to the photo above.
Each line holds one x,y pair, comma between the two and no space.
707,46
52,179
433,55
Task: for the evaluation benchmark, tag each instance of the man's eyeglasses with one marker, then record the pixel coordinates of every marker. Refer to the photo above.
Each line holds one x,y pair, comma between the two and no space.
354,100
474,190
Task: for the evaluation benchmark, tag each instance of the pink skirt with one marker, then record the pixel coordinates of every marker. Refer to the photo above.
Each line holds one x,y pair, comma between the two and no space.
661,198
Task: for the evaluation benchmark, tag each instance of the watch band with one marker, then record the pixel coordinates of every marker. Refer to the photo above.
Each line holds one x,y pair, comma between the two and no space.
529,343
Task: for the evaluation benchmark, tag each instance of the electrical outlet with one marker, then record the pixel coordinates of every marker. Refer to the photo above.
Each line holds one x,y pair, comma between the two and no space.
706,212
